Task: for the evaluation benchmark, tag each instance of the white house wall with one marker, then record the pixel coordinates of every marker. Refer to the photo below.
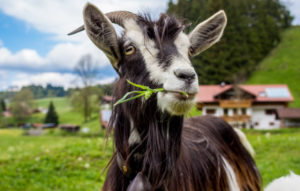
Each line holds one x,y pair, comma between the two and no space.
259,116
219,111
263,121
257,113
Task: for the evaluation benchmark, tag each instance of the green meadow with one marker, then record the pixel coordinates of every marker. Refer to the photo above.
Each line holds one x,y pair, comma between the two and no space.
61,161
78,163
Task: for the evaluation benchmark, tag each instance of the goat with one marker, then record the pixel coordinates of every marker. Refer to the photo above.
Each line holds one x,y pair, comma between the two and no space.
290,182
156,148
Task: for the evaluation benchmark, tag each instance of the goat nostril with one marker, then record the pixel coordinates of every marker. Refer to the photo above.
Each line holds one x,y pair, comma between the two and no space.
187,75
182,76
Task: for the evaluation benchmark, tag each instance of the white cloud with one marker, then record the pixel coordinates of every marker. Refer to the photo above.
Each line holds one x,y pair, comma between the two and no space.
66,80
106,80
63,57
294,7
59,17
26,56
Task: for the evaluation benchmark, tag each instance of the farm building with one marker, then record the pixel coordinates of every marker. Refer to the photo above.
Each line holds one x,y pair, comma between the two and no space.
105,111
245,106
289,117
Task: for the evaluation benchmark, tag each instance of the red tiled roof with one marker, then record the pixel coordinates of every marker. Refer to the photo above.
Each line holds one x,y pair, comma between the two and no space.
288,113
107,98
207,92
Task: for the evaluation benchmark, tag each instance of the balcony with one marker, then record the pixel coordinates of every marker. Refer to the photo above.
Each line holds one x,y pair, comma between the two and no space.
235,103
237,118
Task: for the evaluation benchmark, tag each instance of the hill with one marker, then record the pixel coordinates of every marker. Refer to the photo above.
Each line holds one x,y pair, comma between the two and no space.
282,65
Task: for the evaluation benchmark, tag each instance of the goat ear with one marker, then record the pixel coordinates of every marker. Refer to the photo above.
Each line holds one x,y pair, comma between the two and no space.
207,33
102,33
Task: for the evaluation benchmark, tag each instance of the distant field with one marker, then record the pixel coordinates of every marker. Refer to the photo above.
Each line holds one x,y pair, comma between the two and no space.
282,66
71,163
66,114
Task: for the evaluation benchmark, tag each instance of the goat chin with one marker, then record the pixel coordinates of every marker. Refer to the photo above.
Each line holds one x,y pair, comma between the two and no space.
167,102
286,183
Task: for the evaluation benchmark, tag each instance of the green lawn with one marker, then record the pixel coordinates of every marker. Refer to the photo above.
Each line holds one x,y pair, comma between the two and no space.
76,163
51,162
60,161
282,66
277,152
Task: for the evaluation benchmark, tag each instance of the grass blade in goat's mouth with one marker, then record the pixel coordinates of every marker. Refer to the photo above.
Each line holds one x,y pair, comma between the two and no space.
146,92
179,92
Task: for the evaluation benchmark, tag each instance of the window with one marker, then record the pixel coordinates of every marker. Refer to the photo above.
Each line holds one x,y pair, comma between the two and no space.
270,111
271,123
234,111
225,112
210,111
256,124
244,125
244,111
261,94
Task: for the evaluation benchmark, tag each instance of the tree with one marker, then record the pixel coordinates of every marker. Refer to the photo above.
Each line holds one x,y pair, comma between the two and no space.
22,104
1,118
51,116
87,108
107,89
3,105
253,30
48,91
82,99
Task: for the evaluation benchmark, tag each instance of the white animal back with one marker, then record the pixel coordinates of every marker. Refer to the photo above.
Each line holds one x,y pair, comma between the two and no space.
286,183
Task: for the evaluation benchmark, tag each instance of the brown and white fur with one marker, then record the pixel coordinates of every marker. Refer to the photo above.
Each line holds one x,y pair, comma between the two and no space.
156,148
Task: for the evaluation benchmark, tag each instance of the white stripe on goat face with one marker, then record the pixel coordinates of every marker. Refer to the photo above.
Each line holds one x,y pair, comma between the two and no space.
148,50
180,61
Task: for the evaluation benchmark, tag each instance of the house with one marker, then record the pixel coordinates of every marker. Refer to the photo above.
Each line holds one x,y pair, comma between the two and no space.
245,106
105,111
289,117
106,99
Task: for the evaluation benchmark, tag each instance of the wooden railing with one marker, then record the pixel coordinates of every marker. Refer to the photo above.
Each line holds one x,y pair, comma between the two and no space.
237,118
235,103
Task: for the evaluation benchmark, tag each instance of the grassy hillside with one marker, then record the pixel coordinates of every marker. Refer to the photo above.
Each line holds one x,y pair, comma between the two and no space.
282,66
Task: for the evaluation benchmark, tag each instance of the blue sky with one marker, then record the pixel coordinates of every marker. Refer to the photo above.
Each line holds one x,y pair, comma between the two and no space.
34,47
17,35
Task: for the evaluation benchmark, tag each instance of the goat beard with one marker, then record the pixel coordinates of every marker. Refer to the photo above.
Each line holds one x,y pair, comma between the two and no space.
163,148
160,137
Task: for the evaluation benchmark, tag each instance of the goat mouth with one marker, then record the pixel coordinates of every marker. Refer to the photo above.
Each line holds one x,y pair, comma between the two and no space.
180,95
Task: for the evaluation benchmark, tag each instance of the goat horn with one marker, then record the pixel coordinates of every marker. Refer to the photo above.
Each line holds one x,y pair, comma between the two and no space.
117,17
79,29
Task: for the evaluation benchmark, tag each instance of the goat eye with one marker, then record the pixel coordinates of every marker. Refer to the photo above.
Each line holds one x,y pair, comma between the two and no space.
129,50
